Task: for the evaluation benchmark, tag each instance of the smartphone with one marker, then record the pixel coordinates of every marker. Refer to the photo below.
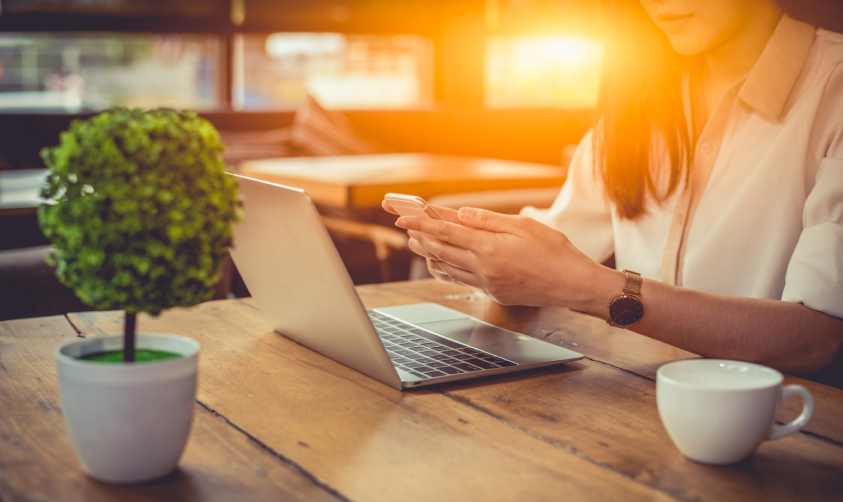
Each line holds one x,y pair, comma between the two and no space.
410,205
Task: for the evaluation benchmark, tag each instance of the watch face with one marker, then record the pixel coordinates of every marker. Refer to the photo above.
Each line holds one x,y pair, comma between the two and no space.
626,311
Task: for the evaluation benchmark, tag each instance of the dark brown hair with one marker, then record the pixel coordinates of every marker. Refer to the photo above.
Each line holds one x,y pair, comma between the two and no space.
640,100
640,96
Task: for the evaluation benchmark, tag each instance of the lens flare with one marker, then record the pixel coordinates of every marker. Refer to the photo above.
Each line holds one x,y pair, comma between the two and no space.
542,72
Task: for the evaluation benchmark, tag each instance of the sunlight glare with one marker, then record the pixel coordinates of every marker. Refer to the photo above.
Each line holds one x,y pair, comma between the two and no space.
542,71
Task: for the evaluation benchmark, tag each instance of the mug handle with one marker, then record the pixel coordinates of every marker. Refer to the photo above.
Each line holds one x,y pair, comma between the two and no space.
802,420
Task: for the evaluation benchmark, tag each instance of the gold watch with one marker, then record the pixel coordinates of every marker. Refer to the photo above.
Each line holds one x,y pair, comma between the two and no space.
626,309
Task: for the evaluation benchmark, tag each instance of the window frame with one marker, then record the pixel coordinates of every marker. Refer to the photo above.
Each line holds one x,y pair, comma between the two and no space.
455,83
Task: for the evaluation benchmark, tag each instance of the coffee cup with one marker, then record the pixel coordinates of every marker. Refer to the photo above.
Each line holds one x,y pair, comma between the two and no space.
718,412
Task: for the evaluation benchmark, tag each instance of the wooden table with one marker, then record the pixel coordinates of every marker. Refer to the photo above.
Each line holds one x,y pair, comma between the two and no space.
277,421
20,191
362,180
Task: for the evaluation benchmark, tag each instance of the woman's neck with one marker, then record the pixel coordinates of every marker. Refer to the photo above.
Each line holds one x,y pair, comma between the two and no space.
734,57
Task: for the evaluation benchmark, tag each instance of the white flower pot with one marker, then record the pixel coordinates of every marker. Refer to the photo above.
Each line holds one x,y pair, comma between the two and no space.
129,422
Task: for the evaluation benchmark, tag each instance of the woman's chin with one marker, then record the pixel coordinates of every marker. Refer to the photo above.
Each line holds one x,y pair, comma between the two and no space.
686,43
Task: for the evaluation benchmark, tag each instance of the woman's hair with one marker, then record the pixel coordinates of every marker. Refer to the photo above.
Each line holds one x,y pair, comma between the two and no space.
640,96
640,101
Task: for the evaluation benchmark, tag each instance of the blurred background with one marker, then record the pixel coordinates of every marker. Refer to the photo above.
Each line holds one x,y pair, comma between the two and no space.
514,80
74,55
521,64
465,102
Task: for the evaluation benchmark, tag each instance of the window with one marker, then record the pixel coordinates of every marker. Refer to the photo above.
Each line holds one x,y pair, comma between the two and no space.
340,71
183,9
559,72
70,72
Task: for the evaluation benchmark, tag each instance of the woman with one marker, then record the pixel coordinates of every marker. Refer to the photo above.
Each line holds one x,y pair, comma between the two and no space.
715,171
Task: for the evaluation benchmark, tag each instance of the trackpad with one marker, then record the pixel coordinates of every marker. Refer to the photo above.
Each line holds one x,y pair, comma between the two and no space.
471,332
513,346
423,312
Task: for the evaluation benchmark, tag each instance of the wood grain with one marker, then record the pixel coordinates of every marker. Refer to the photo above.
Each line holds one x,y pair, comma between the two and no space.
599,412
37,460
610,417
594,407
592,337
363,180
364,439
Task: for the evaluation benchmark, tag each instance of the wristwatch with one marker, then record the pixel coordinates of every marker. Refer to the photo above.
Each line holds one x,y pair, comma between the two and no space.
626,309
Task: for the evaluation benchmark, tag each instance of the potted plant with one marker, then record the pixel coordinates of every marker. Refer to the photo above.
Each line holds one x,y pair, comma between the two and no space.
139,210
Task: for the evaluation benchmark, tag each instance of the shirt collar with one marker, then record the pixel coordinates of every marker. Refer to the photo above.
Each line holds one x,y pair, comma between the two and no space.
773,76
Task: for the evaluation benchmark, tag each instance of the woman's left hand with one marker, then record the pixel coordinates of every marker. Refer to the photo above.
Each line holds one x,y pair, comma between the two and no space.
514,259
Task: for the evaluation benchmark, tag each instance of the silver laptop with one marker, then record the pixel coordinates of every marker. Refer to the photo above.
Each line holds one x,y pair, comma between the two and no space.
296,276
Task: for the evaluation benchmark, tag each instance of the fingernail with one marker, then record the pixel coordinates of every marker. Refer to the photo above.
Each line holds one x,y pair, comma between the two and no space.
466,214
412,233
401,222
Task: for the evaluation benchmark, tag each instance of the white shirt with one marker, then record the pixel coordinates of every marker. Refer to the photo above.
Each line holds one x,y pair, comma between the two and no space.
763,217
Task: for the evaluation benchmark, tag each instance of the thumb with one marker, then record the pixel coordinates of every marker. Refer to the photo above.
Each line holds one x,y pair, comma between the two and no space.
486,220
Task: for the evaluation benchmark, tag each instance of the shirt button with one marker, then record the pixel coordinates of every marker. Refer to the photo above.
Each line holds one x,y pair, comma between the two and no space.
706,148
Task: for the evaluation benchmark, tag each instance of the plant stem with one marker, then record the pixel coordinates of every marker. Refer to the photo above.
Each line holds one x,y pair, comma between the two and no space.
129,338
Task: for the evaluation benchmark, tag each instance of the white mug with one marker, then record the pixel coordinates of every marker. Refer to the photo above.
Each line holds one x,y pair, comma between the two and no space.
718,412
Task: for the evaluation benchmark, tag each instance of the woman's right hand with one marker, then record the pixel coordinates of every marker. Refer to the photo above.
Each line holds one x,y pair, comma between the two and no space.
433,267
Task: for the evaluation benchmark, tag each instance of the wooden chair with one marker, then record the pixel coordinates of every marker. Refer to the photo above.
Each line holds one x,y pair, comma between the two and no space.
384,239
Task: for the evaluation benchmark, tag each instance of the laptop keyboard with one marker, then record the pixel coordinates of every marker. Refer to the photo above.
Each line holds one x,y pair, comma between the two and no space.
426,355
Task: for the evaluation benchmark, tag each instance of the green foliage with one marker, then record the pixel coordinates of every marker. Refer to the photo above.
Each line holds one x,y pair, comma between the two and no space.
139,209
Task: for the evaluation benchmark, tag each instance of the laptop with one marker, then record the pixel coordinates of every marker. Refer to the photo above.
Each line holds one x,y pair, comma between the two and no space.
293,271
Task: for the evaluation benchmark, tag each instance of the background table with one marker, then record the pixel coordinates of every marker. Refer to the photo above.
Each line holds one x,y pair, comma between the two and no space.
20,196
20,191
275,420
362,180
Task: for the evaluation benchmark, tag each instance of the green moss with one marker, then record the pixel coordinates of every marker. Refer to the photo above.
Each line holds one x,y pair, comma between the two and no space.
141,356
139,209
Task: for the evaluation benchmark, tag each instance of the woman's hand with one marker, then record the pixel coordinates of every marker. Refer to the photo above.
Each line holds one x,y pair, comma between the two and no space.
432,263
514,259
519,261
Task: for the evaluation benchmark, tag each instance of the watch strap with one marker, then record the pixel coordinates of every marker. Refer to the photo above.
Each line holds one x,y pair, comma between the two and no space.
633,283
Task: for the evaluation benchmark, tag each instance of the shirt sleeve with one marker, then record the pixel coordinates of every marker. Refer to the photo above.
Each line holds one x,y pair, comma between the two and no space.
815,272
580,210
